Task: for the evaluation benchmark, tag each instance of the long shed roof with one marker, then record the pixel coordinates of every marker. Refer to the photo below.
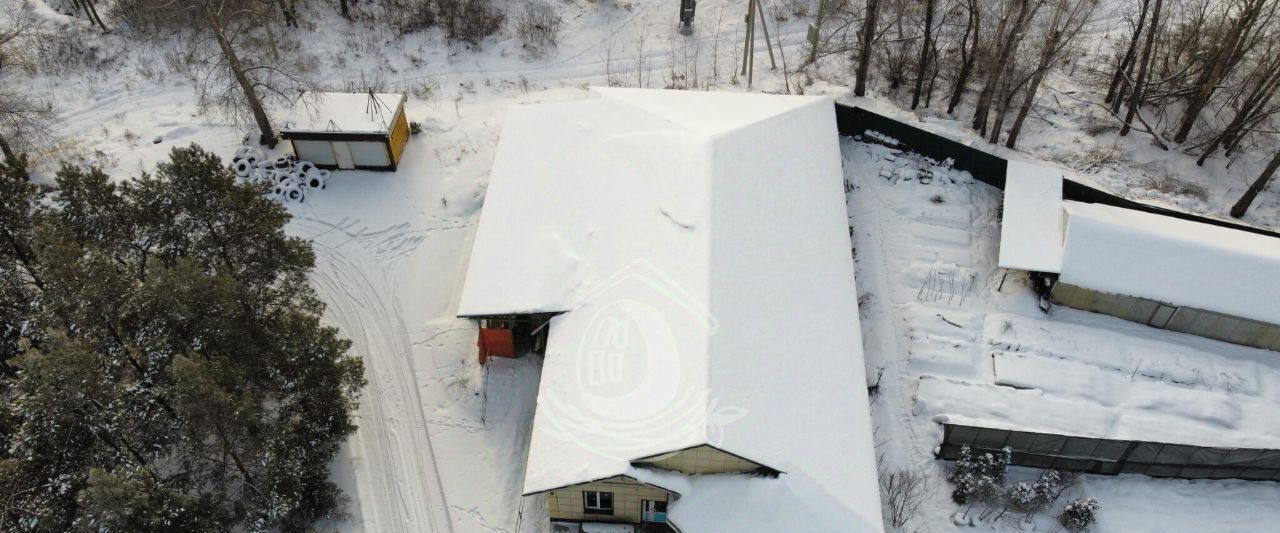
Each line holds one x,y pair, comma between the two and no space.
696,245
1136,253
1185,263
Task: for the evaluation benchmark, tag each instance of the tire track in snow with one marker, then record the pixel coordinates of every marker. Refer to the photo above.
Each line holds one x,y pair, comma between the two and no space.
398,481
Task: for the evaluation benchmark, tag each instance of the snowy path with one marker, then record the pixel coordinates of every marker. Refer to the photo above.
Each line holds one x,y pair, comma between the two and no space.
352,277
932,299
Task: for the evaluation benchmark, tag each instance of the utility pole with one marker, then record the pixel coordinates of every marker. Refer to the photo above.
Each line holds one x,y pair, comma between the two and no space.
687,8
815,32
749,46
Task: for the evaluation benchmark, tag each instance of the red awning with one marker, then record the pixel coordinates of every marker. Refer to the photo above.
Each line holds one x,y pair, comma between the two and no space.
495,342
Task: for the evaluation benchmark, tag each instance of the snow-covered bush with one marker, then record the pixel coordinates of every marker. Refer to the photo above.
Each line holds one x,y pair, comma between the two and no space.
537,24
469,20
1032,496
1079,515
980,478
461,20
1023,497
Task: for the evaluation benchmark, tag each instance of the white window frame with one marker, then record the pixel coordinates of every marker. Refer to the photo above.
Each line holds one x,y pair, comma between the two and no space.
589,496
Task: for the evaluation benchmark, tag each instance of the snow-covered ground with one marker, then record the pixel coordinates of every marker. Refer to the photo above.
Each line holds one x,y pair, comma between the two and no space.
442,442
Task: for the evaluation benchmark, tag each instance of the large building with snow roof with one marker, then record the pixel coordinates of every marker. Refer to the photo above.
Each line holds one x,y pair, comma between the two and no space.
687,257
1166,272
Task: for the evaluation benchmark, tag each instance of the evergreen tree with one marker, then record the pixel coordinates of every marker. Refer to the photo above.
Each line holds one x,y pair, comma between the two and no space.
169,369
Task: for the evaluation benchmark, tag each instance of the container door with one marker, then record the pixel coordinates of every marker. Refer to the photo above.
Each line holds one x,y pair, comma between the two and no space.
318,152
1160,317
342,151
370,154
653,510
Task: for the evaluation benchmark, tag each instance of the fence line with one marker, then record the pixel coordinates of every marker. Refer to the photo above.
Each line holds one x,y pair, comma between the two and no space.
1111,456
990,169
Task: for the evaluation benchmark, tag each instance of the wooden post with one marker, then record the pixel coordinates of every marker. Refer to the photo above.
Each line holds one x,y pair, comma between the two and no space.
764,25
747,44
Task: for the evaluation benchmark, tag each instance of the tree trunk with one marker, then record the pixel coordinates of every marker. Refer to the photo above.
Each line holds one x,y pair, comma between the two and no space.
818,18
924,52
966,60
933,77
1118,76
91,11
344,9
9,154
995,74
1246,200
869,25
1139,85
237,69
1028,99
1002,109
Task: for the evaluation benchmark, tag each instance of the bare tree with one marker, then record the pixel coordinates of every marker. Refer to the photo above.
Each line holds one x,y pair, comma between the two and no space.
1068,18
23,115
836,35
214,90
1139,85
968,52
927,47
1256,188
897,49
1240,33
241,54
641,59
902,492
1122,67
1254,107
1012,28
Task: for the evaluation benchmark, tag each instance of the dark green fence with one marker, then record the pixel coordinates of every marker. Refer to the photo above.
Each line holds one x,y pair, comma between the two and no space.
855,121
1109,456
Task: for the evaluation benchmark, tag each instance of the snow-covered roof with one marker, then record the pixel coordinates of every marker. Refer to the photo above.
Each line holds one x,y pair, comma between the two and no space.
1031,229
696,245
343,112
1184,263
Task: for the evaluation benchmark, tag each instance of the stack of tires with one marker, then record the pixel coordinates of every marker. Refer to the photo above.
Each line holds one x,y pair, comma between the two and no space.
289,178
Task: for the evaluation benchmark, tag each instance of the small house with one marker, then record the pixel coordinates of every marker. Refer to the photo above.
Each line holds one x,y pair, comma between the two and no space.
686,256
348,131
1162,271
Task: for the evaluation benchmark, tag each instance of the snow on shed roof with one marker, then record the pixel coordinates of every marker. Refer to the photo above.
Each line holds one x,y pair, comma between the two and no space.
343,112
1184,263
697,245
1031,229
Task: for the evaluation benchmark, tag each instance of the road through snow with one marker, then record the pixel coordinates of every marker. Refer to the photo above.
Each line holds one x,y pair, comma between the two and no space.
352,277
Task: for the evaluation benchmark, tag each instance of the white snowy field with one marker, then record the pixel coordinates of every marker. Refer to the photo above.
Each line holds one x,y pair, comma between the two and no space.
943,338
442,442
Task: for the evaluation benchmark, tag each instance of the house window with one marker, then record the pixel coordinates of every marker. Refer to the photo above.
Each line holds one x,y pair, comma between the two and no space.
596,502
